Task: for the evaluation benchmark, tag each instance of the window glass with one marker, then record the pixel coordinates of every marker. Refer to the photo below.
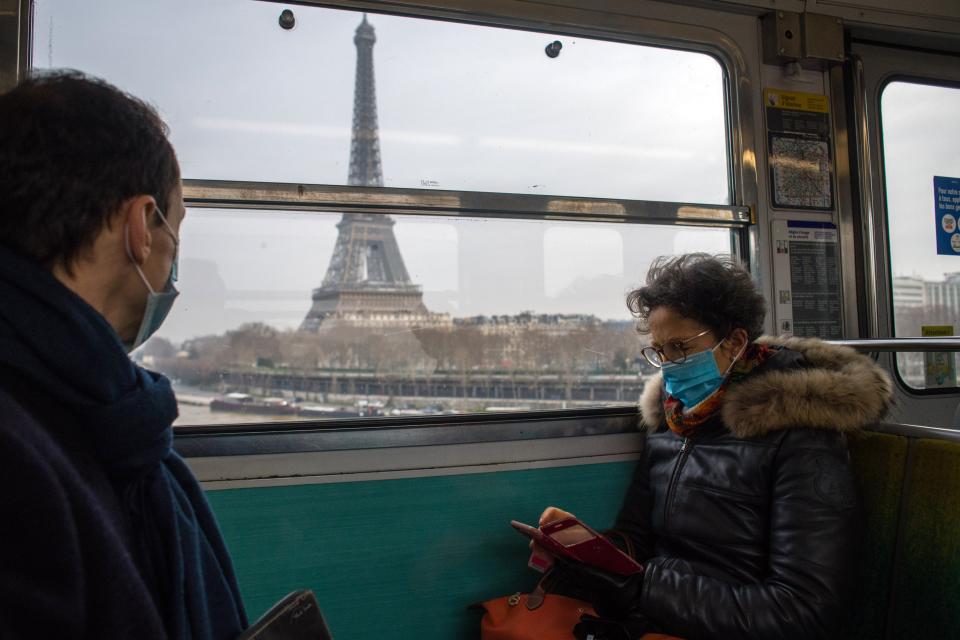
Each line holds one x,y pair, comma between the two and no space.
288,316
449,106
921,134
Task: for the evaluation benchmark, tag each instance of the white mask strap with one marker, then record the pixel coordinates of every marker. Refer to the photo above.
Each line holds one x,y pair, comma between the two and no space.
734,361
126,243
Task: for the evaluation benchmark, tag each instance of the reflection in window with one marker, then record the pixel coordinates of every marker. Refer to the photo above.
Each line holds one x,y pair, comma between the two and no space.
572,253
921,135
273,324
477,109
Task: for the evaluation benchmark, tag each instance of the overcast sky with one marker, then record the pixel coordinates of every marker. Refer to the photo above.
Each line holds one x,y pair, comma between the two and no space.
475,109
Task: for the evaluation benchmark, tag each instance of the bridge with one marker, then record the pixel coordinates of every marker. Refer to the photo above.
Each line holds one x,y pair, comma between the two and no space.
481,385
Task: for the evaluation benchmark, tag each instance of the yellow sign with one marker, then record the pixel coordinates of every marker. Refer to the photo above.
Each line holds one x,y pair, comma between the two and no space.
796,100
939,368
936,331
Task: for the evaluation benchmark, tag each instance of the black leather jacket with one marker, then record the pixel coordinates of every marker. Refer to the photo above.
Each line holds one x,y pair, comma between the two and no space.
749,527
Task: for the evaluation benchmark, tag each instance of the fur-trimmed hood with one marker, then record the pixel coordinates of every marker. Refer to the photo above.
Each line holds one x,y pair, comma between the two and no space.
838,389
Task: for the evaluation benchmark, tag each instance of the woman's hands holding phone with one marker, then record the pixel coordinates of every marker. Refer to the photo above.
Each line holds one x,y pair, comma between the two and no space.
552,514
616,595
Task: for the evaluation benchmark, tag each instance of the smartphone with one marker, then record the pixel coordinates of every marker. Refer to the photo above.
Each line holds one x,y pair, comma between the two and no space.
296,617
560,538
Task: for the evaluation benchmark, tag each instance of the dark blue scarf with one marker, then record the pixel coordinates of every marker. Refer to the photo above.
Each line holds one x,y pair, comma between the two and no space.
62,350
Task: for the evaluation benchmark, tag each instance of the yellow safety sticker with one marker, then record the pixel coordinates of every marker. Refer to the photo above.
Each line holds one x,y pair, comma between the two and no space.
796,100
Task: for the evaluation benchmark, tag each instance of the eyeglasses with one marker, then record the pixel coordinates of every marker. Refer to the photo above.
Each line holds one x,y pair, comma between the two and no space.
671,352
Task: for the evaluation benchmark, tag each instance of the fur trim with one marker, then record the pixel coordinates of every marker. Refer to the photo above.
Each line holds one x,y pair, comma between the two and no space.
840,389
651,404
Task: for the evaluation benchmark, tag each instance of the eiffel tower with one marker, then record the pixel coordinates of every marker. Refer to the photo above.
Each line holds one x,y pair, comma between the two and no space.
366,282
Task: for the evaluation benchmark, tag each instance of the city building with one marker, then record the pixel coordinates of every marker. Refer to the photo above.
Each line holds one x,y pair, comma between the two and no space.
913,292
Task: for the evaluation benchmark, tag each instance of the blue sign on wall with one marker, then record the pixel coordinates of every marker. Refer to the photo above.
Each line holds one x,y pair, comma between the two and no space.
946,199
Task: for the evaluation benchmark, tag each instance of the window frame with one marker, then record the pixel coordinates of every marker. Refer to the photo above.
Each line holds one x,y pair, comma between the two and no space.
739,103
889,79
872,66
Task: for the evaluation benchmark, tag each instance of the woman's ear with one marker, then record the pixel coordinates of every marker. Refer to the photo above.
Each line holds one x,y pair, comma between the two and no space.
736,342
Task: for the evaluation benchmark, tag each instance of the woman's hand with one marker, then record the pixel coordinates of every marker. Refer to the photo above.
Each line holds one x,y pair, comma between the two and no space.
570,536
552,514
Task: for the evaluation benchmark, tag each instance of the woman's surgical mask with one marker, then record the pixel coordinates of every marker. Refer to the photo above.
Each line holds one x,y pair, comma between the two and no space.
158,303
696,378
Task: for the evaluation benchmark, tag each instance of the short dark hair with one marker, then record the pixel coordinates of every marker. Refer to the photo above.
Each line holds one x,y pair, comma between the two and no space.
716,291
72,150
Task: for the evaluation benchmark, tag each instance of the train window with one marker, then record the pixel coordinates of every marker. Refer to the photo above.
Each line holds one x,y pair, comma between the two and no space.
921,135
480,109
427,315
324,314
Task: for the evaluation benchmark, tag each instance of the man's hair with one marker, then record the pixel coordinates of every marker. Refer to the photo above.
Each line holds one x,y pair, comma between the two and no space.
713,290
72,150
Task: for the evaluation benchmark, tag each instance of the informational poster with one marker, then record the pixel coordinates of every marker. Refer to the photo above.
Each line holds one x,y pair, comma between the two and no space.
946,202
939,368
806,266
799,150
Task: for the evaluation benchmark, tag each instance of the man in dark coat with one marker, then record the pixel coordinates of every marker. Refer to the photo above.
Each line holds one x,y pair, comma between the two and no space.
104,532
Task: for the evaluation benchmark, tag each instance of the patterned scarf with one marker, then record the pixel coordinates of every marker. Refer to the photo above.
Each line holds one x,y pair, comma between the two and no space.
683,423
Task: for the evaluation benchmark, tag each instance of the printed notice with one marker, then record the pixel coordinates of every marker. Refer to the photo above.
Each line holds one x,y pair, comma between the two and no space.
939,368
807,279
946,202
799,150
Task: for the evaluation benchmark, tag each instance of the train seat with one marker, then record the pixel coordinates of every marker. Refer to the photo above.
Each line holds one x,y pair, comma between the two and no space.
926,577
909,574
879,462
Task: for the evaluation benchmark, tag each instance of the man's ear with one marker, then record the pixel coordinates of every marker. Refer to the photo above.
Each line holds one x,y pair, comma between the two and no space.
134,217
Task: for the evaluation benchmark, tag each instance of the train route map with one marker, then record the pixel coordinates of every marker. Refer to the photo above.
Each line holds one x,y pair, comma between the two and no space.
801,172
799,150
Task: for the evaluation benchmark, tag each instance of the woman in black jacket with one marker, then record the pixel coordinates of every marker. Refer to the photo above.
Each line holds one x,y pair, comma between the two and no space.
743,511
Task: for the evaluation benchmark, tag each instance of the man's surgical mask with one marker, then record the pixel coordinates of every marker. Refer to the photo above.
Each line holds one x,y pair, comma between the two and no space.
158,303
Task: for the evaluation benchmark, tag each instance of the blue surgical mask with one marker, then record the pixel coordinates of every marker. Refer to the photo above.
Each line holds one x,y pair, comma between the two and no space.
158,303
694,379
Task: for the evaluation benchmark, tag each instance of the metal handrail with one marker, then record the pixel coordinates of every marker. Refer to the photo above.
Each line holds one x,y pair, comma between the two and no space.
901,345
916,431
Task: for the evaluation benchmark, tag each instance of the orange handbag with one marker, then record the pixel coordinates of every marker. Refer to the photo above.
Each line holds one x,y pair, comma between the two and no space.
535,616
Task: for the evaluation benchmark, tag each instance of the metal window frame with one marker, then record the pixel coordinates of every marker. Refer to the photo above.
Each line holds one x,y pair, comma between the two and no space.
15,41
641,23
739,218
887,64
845,168
272,467
383,433
868,91
393,201
901,345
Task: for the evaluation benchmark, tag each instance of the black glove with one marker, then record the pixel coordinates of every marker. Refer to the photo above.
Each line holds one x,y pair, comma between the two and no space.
593,628
613,596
